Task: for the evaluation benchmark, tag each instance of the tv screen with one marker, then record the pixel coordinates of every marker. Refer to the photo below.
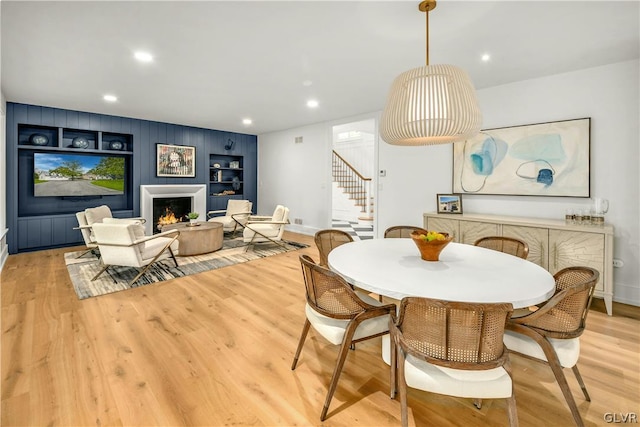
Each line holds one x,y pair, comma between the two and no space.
77,175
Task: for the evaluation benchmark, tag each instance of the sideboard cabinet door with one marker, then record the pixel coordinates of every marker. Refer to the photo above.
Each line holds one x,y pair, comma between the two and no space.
536,238
444,225
571,248
470,231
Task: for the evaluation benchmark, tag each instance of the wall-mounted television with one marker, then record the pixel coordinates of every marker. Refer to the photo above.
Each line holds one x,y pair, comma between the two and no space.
78,175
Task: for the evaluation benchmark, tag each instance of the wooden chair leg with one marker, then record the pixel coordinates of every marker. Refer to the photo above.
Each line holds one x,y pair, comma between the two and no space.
512,412
303,337
342,356
554,363
402,388
582,386
393,380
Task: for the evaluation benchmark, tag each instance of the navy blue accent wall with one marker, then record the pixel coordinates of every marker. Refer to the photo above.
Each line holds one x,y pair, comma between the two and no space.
39,223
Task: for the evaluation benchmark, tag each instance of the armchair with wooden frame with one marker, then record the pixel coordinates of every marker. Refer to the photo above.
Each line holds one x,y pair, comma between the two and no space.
234,217
342,316
125,244
402,231
451,348
329,239
266,229
508,245
88,217
551,332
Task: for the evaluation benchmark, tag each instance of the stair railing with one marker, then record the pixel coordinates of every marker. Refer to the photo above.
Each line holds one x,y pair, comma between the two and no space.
343,168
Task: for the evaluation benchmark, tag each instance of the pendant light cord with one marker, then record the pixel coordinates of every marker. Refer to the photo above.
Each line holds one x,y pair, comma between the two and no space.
425,6
427,31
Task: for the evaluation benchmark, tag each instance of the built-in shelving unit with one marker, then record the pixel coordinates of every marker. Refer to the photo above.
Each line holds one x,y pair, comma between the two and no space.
226,175
49,138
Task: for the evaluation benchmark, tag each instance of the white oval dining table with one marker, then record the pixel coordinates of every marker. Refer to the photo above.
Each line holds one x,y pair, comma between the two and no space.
393,268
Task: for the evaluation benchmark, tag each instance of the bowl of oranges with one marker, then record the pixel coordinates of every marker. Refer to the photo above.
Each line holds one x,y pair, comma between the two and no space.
430,243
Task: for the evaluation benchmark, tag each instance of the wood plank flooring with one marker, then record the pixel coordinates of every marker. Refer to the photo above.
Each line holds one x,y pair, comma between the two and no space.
216,349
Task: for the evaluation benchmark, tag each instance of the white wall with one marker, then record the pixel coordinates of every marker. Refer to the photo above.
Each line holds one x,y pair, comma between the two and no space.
414,175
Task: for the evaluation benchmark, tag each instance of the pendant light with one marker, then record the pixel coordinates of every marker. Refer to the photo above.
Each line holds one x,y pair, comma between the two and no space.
434,104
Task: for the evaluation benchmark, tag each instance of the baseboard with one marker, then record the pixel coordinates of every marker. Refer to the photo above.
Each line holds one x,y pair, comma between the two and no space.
302,229
626,294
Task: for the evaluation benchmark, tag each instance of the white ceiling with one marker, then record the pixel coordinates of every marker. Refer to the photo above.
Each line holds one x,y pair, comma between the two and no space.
217,62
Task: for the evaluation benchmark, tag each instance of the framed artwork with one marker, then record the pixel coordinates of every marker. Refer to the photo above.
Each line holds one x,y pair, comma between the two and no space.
449,203
175,160
545,159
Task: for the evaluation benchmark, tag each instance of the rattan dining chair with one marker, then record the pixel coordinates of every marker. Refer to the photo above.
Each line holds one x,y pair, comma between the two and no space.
340,315
402,231
327,240
551,333
508,245
451,348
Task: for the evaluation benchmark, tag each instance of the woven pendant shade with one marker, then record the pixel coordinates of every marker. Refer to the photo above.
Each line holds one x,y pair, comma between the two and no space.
435,104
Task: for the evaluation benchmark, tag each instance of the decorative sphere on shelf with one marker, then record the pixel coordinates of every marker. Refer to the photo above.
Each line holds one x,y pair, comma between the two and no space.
116,145
38,139
79,142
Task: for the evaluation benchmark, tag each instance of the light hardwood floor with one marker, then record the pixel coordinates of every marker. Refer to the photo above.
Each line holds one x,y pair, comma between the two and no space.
216,349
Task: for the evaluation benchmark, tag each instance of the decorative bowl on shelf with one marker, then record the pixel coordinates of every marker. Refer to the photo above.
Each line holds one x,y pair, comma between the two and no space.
116,145
430,245
79,142
38,139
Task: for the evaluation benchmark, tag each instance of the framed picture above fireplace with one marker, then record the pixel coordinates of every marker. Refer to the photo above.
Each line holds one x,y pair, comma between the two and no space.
175,160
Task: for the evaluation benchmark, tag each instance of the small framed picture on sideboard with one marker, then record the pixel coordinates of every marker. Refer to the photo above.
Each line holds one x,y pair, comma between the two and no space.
449,203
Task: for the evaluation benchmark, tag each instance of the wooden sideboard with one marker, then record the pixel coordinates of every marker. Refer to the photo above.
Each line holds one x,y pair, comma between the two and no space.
553,244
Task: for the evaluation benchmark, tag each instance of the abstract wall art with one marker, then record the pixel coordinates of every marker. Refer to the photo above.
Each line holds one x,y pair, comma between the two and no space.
544,159
175,160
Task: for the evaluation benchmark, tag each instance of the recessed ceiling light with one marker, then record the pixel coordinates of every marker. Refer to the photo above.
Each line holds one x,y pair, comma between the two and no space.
247,121
312,103
143,56
110,98
486,57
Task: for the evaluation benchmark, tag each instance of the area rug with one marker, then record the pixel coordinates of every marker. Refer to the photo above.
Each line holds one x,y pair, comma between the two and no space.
116,278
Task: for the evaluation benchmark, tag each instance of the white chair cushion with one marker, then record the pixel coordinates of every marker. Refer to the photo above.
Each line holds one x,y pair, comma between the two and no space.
278,213
490,384
333,330
568,350
152,247
97,214
226,221
238,206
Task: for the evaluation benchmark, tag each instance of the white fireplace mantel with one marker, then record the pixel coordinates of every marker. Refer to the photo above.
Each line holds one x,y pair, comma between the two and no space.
197,192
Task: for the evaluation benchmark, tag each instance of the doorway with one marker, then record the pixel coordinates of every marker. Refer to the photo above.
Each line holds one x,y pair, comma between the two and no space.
353,195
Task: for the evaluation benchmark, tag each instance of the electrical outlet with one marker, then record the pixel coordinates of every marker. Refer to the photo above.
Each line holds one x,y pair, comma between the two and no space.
297,221
618,263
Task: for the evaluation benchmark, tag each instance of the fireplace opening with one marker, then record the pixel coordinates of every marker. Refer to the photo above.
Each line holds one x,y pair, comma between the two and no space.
169,210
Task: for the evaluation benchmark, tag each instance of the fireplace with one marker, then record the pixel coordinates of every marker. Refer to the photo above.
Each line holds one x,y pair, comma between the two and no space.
182,198
169,210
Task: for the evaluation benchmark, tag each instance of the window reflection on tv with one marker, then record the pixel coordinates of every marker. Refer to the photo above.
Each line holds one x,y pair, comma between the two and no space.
76,175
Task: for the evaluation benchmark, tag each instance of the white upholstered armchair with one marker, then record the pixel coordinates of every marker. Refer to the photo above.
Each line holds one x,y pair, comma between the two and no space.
263,229
88,217
235,215
125,244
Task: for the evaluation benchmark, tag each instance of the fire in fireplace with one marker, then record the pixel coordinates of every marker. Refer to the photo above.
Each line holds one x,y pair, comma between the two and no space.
169,210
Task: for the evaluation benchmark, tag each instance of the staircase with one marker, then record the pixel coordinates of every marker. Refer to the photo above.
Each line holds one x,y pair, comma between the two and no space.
356,186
